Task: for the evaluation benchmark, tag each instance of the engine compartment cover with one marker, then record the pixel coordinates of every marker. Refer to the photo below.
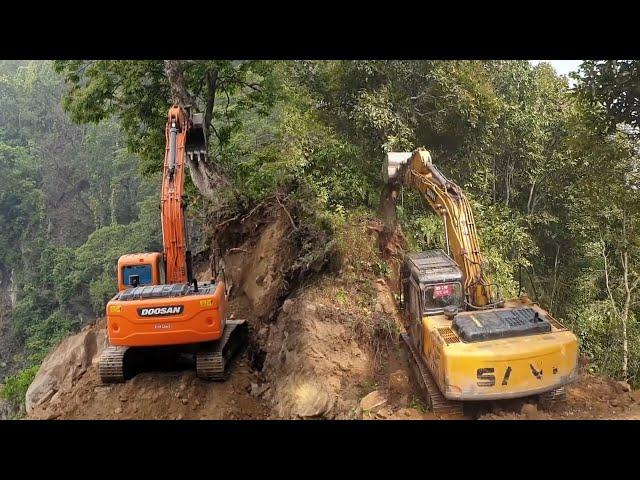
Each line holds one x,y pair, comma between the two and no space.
163,291
503,323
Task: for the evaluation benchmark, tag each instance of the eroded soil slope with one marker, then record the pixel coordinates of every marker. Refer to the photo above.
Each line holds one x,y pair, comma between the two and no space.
317,347
322,346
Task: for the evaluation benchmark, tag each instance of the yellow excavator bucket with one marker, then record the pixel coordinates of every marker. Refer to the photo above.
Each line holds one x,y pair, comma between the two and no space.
392,164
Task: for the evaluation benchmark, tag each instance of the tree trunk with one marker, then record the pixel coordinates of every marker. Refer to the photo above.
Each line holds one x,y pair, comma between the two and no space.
555,278
625,316
509,174
212,82
627,302
174,69
206,175
387,207
494,180
529,208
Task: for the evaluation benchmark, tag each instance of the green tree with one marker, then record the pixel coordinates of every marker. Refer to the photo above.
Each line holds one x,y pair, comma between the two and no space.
138,93
612,90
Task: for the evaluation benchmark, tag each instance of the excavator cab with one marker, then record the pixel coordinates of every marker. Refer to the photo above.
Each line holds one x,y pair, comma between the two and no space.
140,269
436,282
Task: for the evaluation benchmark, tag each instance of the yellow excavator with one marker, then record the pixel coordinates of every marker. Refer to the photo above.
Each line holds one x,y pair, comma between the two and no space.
465,343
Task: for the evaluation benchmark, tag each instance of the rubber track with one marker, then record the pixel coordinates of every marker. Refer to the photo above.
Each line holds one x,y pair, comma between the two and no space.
111,364
213,363
438,403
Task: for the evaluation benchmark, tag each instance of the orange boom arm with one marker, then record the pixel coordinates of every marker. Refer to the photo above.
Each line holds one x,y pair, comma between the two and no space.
181,131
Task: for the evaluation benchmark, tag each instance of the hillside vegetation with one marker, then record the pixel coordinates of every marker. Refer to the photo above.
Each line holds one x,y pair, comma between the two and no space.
551,172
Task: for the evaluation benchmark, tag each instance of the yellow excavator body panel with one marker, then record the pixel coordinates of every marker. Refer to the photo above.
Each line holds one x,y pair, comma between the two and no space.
499,368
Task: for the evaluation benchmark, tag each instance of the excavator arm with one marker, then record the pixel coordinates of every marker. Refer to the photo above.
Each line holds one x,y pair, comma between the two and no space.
415,169
184,137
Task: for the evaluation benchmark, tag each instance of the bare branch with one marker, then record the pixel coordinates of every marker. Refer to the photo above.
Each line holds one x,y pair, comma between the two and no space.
287,212
253,86
606,276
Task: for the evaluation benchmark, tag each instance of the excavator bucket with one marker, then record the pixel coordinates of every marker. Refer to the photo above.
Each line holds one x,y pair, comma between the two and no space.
392,164
195,144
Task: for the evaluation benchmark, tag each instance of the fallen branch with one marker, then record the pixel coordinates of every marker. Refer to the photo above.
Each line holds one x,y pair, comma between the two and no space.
221,224
251,212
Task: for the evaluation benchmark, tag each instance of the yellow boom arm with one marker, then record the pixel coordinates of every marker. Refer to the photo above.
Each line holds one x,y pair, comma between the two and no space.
448,201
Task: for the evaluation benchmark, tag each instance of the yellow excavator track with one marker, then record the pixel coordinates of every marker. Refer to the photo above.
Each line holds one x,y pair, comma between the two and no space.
429,389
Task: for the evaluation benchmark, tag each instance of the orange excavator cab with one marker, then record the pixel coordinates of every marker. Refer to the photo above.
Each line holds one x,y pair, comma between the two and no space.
159,303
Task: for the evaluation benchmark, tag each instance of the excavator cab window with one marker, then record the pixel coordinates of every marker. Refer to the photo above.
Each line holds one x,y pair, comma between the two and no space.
439,295
143,272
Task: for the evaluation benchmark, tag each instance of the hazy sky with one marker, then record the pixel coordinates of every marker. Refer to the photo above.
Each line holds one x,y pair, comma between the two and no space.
563,67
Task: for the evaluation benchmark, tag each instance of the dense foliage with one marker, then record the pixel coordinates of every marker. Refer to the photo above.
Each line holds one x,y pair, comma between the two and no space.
551,171
69,206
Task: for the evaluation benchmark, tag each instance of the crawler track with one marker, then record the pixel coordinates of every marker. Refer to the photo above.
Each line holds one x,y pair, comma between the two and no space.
212,363
437,402
111,364
212,360
550,400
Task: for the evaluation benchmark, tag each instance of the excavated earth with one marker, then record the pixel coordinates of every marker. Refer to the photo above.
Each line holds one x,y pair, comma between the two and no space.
324,347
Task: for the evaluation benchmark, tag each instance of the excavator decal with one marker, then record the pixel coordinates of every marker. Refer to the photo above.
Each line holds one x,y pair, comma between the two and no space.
536,373
486,378
507,373
160,311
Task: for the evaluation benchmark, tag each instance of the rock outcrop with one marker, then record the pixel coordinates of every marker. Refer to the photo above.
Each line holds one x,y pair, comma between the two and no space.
65,364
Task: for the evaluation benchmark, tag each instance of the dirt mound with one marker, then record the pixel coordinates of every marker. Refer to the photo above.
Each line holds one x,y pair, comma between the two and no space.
332,344
313,361
158,395
591,397
257,269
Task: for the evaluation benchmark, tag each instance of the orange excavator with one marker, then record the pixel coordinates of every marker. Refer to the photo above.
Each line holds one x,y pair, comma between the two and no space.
159,302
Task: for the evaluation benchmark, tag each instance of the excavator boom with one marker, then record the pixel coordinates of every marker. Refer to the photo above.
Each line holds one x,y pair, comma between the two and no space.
184,136
415,169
